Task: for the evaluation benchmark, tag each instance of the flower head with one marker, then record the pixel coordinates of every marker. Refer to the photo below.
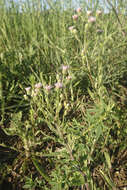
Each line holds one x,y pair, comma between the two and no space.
27,89
58,85
91,19
75,17
38,85
78,10
69,77
89,13
65,67
98,12
71,28
48,87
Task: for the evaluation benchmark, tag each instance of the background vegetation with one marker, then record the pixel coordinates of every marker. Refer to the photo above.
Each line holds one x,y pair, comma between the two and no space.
63,95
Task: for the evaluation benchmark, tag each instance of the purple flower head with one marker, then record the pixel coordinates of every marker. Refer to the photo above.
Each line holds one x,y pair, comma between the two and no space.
58,85
91,19
78,10
99,12
65,67
48,87
75,17
27,89
38,85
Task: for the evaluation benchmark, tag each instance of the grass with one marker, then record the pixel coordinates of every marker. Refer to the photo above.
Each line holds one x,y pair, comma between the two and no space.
63,97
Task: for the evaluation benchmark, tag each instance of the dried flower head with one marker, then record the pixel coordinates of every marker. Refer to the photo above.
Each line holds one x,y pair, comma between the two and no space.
69,77
91,19
89,13
38,85
75,17
99,12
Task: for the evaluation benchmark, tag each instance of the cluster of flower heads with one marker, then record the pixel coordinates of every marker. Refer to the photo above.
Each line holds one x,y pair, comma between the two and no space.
34,91
91,19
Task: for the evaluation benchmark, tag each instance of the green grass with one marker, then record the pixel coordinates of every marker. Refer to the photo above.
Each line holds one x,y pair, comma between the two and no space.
63,98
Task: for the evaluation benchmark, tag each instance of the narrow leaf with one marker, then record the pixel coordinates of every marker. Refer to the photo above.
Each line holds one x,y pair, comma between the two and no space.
107,157
40,169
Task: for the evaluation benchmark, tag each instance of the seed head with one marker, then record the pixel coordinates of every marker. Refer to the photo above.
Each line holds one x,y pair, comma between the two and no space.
65,67
99,12
89,13
69,77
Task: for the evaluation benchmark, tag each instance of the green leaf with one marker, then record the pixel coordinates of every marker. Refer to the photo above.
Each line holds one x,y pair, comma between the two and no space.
41,170
108,161
98,132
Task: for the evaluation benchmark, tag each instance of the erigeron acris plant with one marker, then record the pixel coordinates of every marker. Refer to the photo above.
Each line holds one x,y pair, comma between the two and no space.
33,91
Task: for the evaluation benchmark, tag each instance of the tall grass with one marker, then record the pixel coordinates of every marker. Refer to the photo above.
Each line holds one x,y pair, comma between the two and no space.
63,95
